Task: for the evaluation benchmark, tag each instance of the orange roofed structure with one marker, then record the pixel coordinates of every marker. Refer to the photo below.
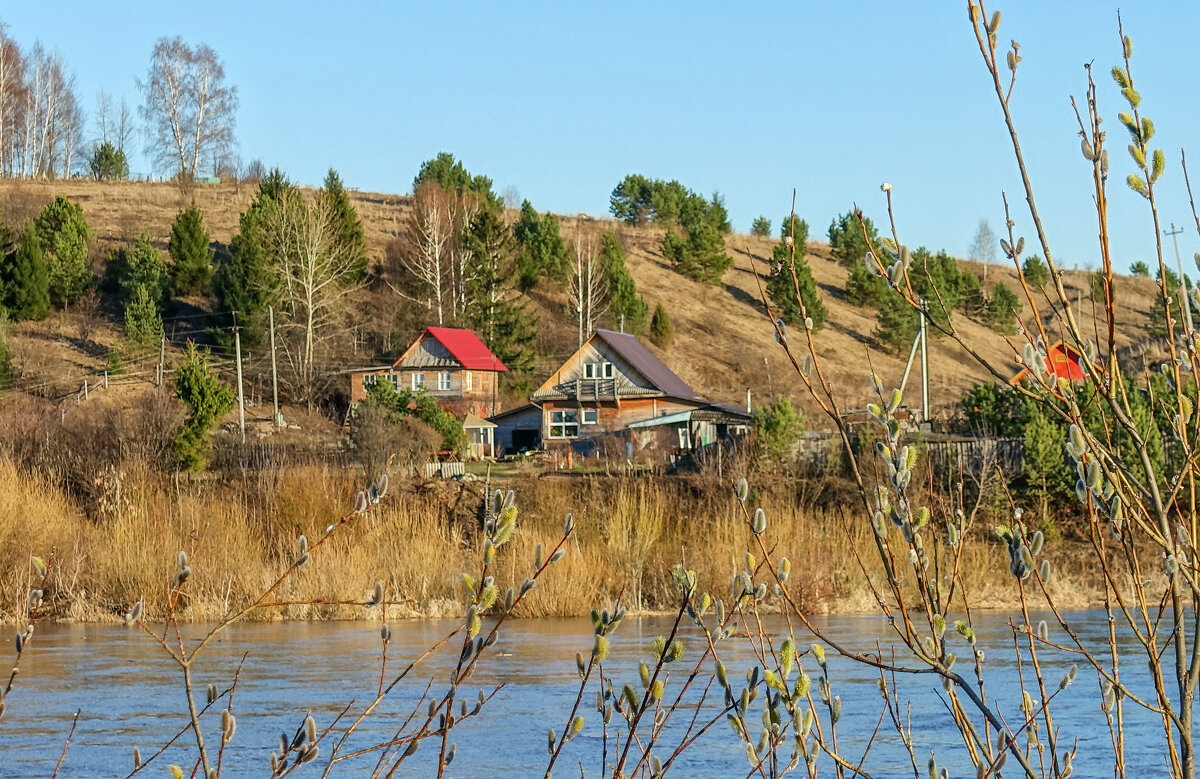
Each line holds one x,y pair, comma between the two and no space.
1061,360
449,363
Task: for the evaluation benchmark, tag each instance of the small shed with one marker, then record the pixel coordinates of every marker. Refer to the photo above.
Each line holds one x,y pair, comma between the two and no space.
519,430
481,437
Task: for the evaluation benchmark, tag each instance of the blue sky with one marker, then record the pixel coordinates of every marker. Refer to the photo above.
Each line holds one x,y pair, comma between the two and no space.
560,100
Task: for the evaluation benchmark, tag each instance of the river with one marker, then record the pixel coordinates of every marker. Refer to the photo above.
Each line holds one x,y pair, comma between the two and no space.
130,695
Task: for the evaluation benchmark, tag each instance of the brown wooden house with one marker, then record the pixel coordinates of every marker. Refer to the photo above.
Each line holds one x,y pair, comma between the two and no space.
451,364
613,385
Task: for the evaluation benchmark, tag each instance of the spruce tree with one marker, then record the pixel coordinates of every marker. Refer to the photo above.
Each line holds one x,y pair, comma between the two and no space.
624,300
347,225
207,399
661,331
145,270
496,313
243,282
781,286
25,279
143,320
192,268
64,235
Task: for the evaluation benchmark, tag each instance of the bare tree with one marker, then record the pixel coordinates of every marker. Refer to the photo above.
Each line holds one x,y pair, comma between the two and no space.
317,277
188,108
589,287
51,120
12,98
428,243
983,248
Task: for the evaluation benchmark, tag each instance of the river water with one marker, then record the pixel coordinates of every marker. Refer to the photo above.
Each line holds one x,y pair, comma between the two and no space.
130,694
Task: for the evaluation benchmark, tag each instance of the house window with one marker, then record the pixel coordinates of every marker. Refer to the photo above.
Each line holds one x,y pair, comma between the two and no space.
395,380
443,380
418,381
369,380
564,424
467,381
590,416
598,370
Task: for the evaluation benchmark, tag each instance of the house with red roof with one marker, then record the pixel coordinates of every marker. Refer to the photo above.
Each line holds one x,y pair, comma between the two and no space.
449,363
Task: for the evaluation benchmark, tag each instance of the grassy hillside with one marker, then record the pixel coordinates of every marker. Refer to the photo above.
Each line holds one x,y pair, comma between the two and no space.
723,344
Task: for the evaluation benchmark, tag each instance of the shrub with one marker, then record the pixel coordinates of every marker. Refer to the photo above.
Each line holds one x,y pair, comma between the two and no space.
207,399
661,331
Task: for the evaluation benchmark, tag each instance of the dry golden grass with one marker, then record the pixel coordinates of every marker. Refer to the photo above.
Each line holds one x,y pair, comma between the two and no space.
240,536
721,336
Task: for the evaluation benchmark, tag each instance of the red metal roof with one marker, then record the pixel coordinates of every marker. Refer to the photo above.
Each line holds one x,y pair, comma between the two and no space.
467,348
1061,360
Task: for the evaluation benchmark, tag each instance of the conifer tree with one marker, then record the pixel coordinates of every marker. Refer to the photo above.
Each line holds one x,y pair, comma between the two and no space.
661,331
1036,272
25,279
847,241
192,269
244,282
64,235
543,252
1002,309
348,226
207,399
495,311
624,300
144,285
781,286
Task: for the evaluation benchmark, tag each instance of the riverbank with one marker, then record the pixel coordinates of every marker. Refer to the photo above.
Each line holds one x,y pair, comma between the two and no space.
240,532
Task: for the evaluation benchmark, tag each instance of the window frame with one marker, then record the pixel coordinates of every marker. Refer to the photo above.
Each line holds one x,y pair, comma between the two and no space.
586,412
564,420
443,375
468,383
417,380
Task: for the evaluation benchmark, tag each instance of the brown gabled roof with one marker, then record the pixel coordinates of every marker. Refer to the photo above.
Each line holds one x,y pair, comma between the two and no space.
644,362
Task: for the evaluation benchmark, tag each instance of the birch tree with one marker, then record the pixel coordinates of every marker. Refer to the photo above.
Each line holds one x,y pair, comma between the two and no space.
589,286
317,275
12,88
188,108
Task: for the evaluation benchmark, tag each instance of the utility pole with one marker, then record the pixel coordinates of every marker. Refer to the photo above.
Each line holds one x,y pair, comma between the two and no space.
237,351
274,373
924,362
1187,304
162,354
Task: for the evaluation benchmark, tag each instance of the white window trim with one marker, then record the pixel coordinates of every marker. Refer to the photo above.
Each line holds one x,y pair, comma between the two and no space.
563,423
418,381
607,370
467,381
370,379
591,370
583,416
443,381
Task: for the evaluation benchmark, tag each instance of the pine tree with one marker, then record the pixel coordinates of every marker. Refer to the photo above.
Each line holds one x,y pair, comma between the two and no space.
1044,460
496,313
781,286
864,288
847,241
896,323
192,269
543,252
699,254
1036,272
661,331
625,302
1002,309
64,235
937,279
6,360
25,279
349,227
1140,268
761,227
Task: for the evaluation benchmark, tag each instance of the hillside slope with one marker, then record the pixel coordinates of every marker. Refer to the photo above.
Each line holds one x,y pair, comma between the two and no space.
723,344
